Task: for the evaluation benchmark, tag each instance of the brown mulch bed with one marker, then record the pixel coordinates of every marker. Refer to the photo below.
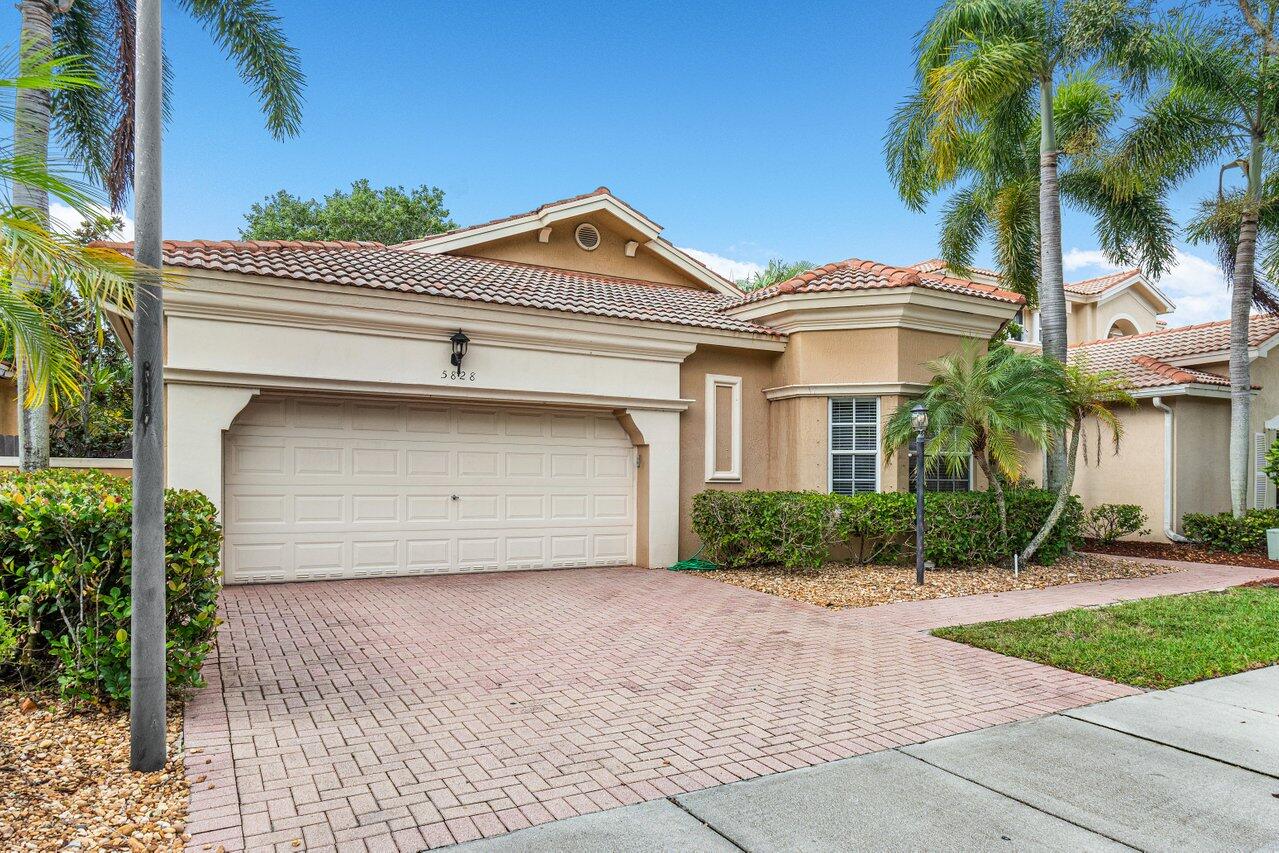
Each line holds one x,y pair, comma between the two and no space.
65,782
1263,582
1178,551
841,586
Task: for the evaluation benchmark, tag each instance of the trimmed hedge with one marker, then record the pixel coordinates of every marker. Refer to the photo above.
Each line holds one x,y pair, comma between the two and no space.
65,573
802,529
1224,532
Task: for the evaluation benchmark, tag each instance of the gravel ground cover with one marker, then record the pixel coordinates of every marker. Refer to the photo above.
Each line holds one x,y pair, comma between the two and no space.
65,782
1180,551
839,586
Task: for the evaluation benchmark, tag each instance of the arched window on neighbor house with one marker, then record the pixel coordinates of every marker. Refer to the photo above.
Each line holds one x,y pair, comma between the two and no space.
1122,327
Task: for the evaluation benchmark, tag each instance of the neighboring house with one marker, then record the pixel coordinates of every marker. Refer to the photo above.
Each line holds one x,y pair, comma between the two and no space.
1174,454
607,378
1109,306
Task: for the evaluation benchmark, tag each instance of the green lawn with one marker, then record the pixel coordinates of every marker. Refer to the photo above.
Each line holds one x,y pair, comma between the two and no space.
1155,643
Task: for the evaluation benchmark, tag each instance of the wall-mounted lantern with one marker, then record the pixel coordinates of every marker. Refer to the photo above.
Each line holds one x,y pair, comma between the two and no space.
459,341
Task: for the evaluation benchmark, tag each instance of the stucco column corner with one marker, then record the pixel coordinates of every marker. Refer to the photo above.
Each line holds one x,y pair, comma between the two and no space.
197,415
656,435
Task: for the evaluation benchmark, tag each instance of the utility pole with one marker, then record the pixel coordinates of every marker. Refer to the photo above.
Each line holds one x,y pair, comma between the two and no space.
147,729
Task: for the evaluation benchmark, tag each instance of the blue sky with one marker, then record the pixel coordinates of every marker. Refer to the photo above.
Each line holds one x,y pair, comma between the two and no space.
749,130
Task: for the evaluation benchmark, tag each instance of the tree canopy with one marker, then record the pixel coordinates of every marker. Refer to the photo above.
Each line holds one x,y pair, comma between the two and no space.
776,271
389,215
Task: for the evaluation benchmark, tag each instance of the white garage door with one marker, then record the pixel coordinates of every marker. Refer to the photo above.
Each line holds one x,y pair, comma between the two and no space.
325,488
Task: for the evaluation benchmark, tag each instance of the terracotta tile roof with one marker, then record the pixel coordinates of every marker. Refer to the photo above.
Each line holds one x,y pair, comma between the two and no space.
1087,287
855,274
1144,359
1102,283
938,265
373,265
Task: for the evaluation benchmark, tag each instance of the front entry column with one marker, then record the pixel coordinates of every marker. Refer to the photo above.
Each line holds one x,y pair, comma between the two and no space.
656,438
196,416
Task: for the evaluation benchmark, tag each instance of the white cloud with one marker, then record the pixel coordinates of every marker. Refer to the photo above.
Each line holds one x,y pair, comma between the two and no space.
727,267
66,219
1194,284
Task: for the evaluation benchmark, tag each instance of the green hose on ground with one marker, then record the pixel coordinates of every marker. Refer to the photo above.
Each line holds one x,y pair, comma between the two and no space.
694,564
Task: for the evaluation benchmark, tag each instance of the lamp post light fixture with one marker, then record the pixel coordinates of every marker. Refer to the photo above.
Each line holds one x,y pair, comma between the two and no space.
919,420
459,341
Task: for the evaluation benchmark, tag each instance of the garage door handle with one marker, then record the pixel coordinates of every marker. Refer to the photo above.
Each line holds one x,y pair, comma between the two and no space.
453,497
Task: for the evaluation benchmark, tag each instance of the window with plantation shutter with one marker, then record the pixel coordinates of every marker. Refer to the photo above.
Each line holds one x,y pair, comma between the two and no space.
854,445
1261,483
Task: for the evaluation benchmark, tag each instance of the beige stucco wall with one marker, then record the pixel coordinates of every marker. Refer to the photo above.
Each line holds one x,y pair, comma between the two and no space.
1135,476
862,355
1090,321
1129,305
609,259
756,370
1201,455
8,406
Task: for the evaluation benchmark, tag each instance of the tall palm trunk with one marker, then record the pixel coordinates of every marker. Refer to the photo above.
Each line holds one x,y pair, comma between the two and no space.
1052,293
1240,310
147,682
31,116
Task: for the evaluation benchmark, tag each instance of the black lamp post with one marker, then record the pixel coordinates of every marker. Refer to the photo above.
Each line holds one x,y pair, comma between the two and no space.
919,420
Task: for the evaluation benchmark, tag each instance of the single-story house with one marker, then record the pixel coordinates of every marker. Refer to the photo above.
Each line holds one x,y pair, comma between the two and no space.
548,389
323,396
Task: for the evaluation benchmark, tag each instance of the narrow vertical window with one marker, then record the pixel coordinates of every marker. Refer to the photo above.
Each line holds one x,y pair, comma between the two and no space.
854,445
723,429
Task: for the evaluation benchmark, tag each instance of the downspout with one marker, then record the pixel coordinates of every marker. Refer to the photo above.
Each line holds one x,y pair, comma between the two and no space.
1172,535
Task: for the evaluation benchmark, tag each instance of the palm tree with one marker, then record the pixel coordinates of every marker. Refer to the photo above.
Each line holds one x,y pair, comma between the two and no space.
996,199
29,252
95,125
775,271
981,66
1086,396
982,403
1215,105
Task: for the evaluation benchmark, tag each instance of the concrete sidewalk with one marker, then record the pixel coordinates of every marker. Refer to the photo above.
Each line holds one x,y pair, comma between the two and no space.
1193,768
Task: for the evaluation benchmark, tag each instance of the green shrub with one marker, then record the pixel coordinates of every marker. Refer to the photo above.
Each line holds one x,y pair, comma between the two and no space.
1108,522
8,640
65,573
801,529
1224,532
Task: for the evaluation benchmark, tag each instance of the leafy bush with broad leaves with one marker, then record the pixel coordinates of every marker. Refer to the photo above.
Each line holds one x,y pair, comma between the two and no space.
65,574
799,530
1224,532
1108,522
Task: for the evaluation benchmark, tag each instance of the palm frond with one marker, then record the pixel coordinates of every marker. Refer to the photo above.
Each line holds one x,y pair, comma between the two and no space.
249,31
1132,222
82,116
47,354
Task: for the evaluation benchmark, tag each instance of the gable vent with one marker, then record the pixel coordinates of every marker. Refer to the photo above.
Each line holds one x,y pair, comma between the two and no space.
587,236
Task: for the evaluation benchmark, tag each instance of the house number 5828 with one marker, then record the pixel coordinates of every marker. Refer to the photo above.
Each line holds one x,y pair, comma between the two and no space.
458,375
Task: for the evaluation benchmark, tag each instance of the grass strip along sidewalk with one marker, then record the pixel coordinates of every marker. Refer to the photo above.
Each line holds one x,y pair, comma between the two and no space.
1154,643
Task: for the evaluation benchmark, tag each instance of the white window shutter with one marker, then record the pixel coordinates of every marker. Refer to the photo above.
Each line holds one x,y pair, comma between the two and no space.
1261,483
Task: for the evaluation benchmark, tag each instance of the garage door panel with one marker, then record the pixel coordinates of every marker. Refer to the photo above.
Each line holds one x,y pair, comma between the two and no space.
324,489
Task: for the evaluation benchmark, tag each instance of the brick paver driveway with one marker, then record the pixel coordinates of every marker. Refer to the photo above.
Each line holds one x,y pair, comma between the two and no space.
401,714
